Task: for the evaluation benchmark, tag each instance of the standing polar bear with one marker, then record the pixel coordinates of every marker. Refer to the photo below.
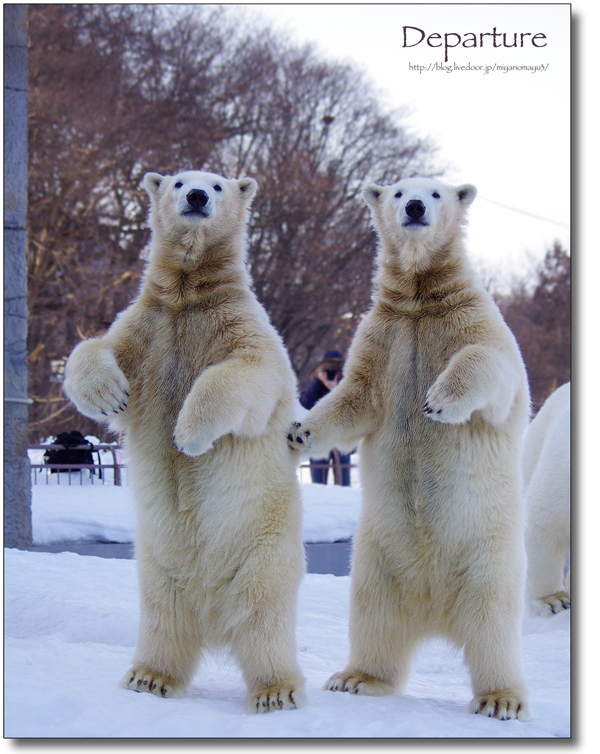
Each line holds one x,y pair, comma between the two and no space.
436,391
200,382
547,476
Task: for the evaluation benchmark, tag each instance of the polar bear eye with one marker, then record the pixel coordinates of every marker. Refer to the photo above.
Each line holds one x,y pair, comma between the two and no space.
217,187
435,195
398,195
179,184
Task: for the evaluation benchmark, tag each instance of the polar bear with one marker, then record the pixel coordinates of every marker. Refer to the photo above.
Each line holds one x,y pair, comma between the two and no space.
547,476
195,375
436,393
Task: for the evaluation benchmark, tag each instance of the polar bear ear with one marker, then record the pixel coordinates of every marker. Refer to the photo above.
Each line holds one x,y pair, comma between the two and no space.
466,193
247,187
152,182
372,193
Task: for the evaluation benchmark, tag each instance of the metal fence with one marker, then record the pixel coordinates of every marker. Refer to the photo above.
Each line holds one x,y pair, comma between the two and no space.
333,463
78,468
45,470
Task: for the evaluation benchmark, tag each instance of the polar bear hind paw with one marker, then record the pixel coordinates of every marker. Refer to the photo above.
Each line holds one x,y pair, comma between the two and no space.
142,679
274,698
553,603
504,705
358,683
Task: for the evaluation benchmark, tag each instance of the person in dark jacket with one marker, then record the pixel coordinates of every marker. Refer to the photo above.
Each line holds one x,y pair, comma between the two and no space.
326,376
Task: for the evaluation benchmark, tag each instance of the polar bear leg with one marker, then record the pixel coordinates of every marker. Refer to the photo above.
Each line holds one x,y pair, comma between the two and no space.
230,397
265,648
493,656
548,538
382,642
262,606
476,378
546,582
169,644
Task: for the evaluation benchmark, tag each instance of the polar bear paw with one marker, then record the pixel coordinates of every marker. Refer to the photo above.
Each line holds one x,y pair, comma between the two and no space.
358,683
553,603
443,404
299,438
505,705
188,438
275,698
142,679
95,383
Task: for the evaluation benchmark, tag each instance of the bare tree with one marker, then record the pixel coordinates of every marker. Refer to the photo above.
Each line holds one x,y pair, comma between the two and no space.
539,314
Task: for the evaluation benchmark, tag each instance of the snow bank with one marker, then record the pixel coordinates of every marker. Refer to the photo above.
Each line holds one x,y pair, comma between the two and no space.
92,510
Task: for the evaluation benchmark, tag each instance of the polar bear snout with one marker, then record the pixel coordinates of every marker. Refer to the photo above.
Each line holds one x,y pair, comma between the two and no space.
198,203
414,214
415,209
197,198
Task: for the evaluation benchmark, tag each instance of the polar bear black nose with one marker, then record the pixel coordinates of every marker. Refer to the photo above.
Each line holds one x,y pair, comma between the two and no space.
415,209
197,198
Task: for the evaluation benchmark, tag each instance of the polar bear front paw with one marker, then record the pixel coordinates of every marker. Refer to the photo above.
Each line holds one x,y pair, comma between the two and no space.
299,438
553,603
95,382
443,404
142,679
505,705
188,438
275,698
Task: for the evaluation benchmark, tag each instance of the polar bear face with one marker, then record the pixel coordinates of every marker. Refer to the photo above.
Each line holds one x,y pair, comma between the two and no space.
198,207
417,217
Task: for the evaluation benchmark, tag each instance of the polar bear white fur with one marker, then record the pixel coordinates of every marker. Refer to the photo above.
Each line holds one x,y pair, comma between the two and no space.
200,382
436,392
547,476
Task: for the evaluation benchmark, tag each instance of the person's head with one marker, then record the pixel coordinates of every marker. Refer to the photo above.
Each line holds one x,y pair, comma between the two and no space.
332,364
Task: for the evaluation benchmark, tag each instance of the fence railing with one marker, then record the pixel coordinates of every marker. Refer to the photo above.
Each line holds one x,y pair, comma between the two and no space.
333,463
117,466
69,468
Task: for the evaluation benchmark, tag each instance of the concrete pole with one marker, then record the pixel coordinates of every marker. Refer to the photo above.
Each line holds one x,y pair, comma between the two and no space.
17,483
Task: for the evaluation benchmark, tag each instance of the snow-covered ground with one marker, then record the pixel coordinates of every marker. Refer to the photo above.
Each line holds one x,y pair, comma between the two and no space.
71,628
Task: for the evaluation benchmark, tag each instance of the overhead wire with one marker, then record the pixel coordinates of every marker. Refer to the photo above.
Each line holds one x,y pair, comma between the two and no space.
523,212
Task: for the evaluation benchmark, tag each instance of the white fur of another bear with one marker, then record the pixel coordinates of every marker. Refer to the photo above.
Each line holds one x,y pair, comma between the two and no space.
547,476
436,393
202,385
